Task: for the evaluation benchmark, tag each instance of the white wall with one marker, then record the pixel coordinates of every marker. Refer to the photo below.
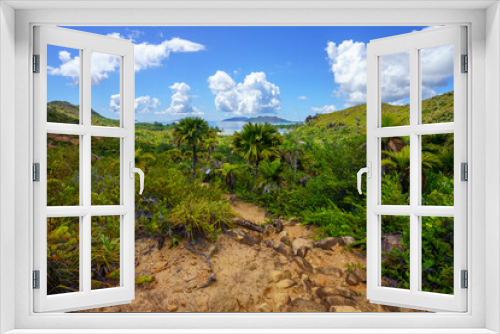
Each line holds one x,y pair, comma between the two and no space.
492,164
7,161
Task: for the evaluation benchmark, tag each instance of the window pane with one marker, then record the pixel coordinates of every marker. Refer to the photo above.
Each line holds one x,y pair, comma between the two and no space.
105,252
395,248
105,73
438,169
63,170
395,171
63,255
63,85
437,254
395,89
437,84
105,171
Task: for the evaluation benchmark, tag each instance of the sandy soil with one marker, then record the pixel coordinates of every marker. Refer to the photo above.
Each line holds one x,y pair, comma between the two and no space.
249,278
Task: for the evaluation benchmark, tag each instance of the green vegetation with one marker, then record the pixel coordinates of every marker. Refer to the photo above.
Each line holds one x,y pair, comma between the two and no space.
308,173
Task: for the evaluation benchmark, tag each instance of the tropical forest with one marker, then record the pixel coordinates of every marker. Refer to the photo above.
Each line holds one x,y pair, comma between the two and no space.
267,219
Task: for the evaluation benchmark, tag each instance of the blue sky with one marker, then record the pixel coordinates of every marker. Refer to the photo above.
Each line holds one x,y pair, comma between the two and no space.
223,72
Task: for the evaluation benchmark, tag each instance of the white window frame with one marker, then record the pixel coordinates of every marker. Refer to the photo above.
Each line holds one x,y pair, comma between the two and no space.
85,43
484,49
412,44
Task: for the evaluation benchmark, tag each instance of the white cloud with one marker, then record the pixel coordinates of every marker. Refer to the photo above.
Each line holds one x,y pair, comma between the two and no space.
151,55
348,64
302,97
324,109
181,101
142,104
255,95
146,56
101,65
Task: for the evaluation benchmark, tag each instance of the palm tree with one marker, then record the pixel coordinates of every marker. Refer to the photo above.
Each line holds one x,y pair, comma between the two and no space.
257,142
291,149
229,172
209,143
191,131
141,158
400,161
271,174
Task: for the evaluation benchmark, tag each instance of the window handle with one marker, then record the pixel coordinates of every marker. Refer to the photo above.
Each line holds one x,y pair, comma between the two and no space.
368,171
134,170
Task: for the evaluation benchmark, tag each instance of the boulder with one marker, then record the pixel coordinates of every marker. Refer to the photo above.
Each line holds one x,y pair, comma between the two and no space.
392,241
329,243
300,247
304,305
361,273
348,240
352,279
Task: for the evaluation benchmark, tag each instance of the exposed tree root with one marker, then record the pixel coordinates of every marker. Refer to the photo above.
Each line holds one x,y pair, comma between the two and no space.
212,277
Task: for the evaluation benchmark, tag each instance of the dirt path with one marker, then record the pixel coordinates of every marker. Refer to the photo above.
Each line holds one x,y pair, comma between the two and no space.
269,271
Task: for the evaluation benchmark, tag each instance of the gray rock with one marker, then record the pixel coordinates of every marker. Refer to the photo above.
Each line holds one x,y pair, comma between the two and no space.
247,224
242,237
348,240
352,279
300,247
304,305
329,242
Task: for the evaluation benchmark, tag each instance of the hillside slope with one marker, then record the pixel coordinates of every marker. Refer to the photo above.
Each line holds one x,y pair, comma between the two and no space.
434,110
65,112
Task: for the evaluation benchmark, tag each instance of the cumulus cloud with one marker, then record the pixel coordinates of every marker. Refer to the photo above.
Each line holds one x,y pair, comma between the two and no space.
151,55
181,101
324,109
146,56
302,97
142,104
255,95
348,64
101,65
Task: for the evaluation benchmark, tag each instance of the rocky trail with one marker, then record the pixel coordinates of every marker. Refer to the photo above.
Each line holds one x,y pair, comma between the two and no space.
256,268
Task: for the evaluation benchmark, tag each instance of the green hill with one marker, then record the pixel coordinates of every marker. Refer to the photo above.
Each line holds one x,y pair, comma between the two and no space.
438,109
65,112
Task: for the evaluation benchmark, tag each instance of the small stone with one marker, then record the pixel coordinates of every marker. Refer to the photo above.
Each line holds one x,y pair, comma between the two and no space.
329,271
282,298
329,242
286,283
193,262
303,305
303,263
284,237
344,309
352,279
348,240
300,247
330,301
252,266
172,308
275,275
331,291
361,273
264,307
268,230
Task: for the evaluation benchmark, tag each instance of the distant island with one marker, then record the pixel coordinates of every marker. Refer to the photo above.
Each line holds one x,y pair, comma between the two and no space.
259,119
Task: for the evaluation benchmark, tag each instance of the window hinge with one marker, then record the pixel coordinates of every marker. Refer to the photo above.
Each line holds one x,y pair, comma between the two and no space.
36,172
36,279
36,63
465,279
465,64
464,171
